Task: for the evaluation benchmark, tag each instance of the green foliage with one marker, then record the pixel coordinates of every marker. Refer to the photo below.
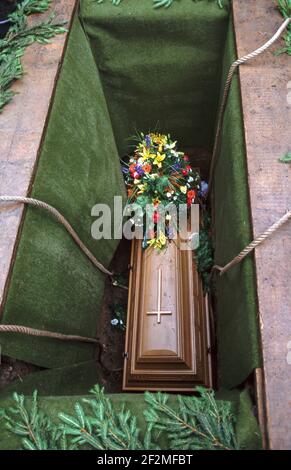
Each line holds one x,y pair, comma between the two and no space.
102,427
18,38
199,422
285,9
35,429
160,3
204,252
286,158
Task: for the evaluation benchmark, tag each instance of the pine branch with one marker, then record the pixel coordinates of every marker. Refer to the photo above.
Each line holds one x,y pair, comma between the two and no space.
199,422
36,430
285,9
103,427
286,158
18,38
159,3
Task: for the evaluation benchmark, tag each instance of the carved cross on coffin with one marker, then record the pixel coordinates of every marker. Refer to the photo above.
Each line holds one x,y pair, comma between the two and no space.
167,338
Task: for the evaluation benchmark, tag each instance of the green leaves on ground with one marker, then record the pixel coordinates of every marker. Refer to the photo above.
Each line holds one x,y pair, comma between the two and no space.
18,38
286,158
194,422
285,8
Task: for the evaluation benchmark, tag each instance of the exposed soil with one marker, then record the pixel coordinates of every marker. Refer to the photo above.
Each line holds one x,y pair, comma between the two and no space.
11,369
113,337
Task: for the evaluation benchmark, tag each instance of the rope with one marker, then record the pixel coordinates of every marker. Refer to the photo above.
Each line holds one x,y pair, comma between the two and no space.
228,82
251,247
61,219
46,334
49,334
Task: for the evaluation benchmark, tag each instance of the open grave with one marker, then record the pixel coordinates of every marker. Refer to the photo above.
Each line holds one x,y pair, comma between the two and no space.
125,70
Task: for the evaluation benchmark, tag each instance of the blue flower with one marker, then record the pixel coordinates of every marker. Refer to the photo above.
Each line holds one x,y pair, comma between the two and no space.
203,189
124,169
139,170
148,140
176,166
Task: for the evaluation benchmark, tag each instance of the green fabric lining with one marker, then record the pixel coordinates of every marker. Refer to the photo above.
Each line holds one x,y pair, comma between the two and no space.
54,286
236,306
159,68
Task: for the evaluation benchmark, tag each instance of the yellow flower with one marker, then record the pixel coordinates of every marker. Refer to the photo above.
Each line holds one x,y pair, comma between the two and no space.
159,159
146,155
142,187
158,243
162,239
183,189
159,139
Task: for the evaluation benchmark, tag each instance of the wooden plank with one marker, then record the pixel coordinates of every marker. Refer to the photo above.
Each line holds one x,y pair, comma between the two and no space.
267,118
22,124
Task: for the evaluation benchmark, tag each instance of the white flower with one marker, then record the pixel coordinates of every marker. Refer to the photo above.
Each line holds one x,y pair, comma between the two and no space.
169,195
190,179
114,322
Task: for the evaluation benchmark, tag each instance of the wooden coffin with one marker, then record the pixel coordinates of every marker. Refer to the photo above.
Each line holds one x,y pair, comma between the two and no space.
167,339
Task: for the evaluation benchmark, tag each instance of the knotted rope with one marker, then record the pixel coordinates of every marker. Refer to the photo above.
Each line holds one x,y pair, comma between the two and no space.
46,334
228,82
258,241
61,219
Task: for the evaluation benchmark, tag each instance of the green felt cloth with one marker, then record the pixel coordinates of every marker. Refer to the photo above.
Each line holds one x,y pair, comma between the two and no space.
237,312
54,286
160,69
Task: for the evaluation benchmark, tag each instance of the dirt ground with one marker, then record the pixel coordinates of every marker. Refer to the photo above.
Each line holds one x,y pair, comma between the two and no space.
112,337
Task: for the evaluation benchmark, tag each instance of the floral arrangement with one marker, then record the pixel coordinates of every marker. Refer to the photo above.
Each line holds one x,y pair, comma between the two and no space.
157,175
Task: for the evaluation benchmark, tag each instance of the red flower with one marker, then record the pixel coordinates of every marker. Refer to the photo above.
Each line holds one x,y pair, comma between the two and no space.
132,167
191,194
186,158
189,168
136,175
147,168
185,172
156,217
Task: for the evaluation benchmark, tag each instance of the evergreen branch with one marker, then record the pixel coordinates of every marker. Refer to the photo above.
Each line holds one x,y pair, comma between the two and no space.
36,430
286,158
199,422
285,9
159,3
18,38
104,427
